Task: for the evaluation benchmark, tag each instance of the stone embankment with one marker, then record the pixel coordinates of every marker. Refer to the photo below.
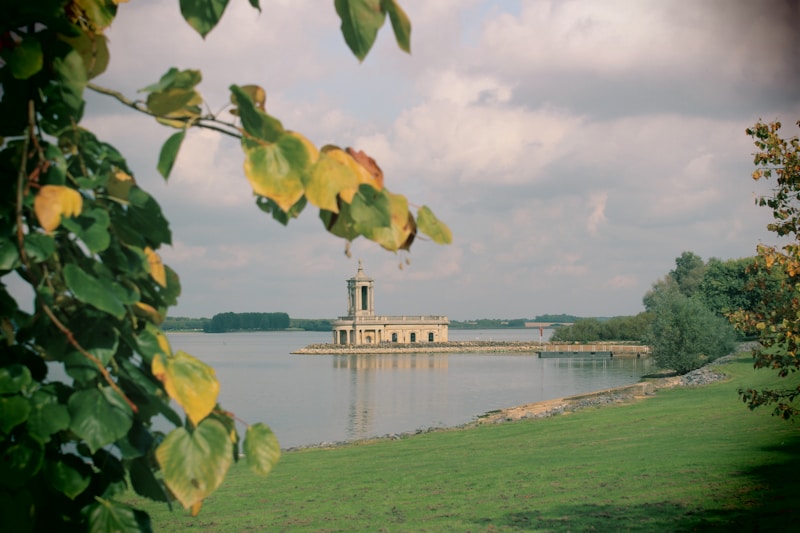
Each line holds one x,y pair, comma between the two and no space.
627,393
427,347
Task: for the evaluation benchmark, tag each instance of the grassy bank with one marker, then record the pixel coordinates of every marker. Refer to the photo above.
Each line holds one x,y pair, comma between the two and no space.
688,459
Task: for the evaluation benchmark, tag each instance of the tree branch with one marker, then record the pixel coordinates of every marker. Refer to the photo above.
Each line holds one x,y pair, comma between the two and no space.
210,123
99,364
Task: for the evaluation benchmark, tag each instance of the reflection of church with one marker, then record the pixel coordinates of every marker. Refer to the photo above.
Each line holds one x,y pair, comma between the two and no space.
363,326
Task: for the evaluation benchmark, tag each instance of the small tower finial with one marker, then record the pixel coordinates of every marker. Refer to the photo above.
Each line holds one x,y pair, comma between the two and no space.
359,266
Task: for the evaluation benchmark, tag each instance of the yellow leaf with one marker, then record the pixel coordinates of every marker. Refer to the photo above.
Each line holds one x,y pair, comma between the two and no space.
188,381
54,201
361,174
196,508
149,312
276,170
328,179
119,185
157,271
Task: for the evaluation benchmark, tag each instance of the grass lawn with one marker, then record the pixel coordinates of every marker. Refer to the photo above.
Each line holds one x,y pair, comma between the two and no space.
687,459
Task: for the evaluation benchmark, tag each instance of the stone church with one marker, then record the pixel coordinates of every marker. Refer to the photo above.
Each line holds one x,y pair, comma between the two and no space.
363,326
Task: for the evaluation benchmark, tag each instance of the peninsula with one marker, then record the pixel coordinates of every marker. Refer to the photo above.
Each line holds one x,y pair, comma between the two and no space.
540,349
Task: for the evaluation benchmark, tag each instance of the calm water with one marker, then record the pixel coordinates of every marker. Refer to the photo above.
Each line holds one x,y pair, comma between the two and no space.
308,399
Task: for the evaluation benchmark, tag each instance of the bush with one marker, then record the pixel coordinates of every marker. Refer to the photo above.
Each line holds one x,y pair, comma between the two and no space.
686,335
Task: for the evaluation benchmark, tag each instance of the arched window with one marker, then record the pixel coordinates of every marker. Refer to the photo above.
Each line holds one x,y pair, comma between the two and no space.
430,337
413,337
394,337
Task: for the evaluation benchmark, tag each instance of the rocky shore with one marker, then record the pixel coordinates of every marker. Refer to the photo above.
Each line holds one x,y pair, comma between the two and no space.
648,387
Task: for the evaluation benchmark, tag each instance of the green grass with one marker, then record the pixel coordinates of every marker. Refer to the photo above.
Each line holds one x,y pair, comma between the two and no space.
688,459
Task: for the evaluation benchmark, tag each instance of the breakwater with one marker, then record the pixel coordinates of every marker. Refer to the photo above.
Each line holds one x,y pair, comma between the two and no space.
538,348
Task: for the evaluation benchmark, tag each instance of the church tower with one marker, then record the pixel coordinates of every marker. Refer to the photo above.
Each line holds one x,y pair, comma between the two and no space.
360,294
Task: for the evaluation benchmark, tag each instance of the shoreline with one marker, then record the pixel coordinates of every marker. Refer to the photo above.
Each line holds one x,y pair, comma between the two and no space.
646,388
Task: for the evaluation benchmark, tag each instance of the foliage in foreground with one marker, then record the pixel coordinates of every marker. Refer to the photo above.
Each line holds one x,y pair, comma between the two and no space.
85,375
778,321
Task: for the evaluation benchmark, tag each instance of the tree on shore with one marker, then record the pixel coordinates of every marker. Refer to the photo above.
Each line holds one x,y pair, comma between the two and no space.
80,232
685,334
777,320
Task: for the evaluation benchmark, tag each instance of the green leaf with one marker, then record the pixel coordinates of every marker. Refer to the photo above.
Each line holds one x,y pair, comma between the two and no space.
15,508
144,482
101,340
144,217
433,227
261,448
47,416
71,73
361,20
101,13
14,410
108,515
26,59
370,209
278,214
254,121
402,230
340,224
177,79
195,463
39,247
172,100
401,25
169,152
19,462
151,341
14,379
203,15
104,294
91,227
9,256
99,416
69,475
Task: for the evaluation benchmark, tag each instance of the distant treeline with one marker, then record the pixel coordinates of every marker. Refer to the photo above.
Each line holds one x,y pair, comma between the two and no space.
225,322
502,323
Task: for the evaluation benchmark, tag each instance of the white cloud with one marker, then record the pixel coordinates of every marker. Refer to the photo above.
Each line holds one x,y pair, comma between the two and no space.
575,149
597,217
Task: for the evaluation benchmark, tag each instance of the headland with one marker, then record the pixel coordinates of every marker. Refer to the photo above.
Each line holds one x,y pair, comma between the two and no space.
535,348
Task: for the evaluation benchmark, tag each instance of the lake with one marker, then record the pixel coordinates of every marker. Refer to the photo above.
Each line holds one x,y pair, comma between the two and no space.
310,399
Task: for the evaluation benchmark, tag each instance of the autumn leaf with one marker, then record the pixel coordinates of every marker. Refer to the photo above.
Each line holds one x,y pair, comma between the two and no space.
188,381
56,201
157,271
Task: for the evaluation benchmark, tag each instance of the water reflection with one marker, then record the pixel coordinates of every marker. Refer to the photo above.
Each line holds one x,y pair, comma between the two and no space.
311,399
388,390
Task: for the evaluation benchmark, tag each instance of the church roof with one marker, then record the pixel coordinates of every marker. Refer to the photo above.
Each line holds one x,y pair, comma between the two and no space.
360,276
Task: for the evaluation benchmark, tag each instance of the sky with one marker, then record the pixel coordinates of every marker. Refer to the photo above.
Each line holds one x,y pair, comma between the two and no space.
574,148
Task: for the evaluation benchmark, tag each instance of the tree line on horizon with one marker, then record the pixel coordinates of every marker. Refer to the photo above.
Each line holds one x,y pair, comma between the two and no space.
226,322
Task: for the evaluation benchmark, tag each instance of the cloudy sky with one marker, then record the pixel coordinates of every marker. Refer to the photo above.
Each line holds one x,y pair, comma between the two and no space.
575,148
